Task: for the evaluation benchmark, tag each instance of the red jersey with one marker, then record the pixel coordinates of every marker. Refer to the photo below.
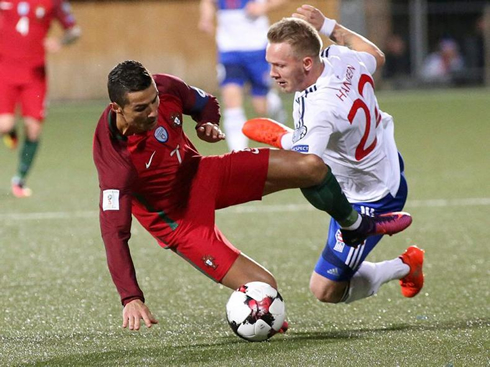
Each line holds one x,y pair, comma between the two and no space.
24,25
147,175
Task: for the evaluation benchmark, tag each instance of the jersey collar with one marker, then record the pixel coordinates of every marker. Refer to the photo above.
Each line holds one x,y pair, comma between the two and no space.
112,126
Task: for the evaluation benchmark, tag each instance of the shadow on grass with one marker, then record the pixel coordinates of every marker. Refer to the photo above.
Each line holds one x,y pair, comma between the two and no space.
423,325
222,349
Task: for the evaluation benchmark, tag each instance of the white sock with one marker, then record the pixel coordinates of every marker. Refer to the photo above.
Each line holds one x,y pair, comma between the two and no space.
371,276
234,118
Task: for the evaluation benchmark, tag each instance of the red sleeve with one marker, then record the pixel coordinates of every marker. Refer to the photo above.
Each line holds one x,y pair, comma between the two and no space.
63,13
201,106
115,178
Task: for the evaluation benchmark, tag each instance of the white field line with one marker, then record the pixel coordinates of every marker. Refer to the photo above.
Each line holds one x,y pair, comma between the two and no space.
253,208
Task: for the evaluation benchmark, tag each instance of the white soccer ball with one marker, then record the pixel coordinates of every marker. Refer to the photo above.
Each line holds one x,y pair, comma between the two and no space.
255,311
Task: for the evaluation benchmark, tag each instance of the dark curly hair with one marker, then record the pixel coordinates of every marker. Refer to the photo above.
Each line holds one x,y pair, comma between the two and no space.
127,76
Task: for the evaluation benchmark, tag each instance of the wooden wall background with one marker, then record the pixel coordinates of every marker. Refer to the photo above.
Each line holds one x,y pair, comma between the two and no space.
162,35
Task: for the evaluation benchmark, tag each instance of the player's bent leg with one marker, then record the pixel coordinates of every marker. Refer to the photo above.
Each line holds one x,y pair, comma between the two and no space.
320,187
289,170
326,290
245,270
33,127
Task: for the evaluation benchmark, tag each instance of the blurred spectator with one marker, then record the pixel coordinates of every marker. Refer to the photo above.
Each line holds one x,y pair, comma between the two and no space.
474,53
397,67
444,66
241,38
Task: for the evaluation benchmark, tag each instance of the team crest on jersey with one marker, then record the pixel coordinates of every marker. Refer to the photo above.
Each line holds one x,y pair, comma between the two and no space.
40,12
176,119
209,261
161,134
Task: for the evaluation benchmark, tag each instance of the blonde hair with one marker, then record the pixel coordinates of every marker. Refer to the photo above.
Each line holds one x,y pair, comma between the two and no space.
303,37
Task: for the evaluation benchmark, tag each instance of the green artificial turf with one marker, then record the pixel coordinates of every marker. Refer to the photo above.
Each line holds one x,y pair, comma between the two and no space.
59,307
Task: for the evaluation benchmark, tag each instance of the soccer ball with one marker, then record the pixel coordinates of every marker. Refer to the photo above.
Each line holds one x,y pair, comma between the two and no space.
255,311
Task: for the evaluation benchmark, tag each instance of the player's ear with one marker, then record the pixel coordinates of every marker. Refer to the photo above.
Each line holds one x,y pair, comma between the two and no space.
307,63
116,108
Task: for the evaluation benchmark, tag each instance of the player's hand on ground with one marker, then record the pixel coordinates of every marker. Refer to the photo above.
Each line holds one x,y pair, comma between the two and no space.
311,14
210,132
133,312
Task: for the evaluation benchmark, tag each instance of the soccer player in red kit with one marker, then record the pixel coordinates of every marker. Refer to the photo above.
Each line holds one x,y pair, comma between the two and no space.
24,25
148,168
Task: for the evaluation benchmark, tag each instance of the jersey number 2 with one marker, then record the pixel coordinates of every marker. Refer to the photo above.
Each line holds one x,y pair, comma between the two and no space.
362,150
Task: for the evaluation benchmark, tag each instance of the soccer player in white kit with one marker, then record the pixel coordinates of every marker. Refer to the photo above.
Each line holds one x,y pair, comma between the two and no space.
337,117
241,38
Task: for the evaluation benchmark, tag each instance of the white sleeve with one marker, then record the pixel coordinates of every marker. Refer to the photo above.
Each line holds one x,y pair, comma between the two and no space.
364,57
314,129
368,60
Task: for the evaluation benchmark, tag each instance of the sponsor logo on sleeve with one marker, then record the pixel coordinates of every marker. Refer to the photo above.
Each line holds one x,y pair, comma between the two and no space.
301,148
110,200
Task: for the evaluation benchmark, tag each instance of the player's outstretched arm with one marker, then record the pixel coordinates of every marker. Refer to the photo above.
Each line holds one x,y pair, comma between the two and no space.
133,312
339,34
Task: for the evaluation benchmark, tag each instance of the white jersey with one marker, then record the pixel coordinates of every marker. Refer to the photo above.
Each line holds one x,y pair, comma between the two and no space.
237,31
338,119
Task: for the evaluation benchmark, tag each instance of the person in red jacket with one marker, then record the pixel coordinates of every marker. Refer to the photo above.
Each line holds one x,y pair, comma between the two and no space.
148,168
23,43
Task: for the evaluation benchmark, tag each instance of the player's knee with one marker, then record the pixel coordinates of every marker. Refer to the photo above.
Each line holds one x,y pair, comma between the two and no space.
7,123
325,293
314,169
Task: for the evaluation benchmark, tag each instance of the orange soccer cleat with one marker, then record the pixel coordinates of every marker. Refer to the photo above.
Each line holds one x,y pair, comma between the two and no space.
413,282
265,130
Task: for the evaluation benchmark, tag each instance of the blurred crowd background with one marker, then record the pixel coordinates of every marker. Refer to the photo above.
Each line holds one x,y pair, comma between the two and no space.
428,43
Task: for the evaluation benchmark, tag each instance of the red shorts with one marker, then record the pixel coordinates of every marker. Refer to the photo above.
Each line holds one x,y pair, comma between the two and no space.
24,87
220,181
